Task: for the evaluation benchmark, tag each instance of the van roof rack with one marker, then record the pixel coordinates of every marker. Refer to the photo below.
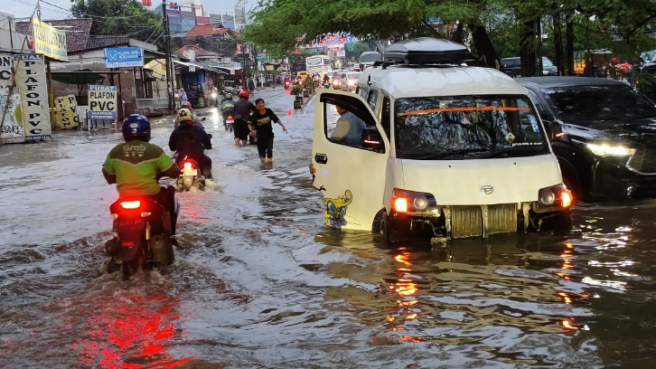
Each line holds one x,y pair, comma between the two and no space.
426,50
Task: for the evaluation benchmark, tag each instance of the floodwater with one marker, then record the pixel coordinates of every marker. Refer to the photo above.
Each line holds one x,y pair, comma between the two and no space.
259,282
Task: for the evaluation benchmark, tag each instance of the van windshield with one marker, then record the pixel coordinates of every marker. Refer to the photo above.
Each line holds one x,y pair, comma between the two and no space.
467,127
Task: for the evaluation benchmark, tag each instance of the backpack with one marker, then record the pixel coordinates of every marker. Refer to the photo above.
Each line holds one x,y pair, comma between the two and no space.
188,143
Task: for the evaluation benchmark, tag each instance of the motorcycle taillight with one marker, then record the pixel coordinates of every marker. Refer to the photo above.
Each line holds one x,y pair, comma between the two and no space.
188,165
131,204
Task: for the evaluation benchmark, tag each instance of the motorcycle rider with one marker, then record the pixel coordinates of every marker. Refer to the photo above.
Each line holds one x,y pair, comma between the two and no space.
136,165
187,105
190,139
243,109
228,108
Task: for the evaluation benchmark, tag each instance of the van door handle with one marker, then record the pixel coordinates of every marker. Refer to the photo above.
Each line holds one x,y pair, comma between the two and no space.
321,158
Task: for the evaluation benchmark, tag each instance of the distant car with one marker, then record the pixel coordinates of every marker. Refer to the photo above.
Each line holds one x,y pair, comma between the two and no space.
350,82
513,67
603,133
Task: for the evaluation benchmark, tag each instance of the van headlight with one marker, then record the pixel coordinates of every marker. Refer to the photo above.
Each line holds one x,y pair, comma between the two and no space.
404,201
603,149
552,198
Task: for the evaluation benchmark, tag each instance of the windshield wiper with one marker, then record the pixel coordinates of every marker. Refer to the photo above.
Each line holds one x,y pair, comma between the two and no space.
439,155
518,149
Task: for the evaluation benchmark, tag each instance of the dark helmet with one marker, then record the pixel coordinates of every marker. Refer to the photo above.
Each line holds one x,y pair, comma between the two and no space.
136,127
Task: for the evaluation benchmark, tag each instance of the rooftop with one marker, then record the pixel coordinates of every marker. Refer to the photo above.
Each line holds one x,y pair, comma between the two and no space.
77,31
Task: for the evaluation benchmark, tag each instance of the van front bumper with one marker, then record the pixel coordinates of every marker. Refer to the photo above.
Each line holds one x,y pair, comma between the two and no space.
481,220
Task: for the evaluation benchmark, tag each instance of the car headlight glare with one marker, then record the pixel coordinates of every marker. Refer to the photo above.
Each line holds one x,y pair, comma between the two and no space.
609,150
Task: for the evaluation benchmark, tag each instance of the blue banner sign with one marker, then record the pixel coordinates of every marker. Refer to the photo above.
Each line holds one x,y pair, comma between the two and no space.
119,57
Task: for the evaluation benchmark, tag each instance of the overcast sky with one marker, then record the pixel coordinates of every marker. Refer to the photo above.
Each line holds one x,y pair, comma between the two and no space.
59,8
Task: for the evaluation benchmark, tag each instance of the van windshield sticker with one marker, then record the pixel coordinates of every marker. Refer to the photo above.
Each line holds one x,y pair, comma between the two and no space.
472,108
534,123
510,137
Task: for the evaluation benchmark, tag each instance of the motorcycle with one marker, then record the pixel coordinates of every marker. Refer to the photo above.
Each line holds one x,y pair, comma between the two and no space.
190,176
142,240
229,122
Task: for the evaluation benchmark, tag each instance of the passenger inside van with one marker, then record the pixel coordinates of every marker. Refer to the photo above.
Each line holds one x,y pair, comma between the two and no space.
349,128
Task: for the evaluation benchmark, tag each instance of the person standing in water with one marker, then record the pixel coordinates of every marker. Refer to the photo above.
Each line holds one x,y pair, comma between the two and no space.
262,127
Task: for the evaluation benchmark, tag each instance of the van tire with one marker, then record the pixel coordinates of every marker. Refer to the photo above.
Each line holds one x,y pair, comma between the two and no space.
389,234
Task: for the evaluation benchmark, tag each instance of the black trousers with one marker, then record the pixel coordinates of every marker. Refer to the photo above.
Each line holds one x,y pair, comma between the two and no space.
265,146
166,198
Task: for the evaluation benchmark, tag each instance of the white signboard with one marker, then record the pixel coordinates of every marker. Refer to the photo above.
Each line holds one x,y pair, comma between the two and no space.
32,84
12,127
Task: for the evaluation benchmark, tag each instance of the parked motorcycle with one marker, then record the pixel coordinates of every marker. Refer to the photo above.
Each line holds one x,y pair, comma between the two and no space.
143,230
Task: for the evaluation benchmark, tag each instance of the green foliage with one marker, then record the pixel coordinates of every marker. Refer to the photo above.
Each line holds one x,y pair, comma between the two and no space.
277,23
598,23
120,17
358,49
296,89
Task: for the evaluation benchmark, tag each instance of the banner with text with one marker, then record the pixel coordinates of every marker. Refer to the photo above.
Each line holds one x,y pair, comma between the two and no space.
12,127
120,57
102,102
5,69
66,114
32,84
49,41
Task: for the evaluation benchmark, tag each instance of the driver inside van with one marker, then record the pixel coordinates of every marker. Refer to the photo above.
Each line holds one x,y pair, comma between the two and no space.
349,128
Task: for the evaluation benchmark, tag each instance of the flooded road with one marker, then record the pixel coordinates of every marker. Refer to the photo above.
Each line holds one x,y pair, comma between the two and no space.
259,282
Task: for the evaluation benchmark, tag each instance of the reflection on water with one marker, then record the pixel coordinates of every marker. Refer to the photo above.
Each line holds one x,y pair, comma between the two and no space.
130,329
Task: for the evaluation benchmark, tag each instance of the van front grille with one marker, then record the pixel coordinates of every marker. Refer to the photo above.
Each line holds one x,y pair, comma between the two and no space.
467,221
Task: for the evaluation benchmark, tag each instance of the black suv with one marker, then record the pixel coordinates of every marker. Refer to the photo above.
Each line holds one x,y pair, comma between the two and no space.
603,133
513,67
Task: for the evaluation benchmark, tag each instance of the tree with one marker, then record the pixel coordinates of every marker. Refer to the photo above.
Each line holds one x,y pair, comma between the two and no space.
119,17
366,19
358,48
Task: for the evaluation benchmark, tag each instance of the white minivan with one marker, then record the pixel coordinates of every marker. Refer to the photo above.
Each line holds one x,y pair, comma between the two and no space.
445,150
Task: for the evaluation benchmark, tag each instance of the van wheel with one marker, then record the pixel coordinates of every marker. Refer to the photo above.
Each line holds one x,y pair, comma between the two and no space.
389,234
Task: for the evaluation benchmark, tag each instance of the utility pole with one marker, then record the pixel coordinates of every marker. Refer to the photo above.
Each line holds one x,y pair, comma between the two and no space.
167,55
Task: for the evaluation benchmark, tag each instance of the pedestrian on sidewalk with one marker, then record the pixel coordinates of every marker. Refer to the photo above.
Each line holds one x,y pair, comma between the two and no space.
251,85
262,127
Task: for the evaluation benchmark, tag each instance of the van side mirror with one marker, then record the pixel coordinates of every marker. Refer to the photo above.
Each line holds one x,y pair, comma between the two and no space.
371,139
552,128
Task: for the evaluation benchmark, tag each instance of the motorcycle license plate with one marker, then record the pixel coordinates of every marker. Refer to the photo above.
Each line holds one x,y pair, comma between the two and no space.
188,171
129,224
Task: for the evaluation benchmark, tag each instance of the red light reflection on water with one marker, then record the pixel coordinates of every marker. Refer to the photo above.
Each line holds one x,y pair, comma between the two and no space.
407,306
131,333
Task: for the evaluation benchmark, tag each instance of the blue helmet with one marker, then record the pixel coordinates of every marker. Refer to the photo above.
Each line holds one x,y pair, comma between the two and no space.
136,127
